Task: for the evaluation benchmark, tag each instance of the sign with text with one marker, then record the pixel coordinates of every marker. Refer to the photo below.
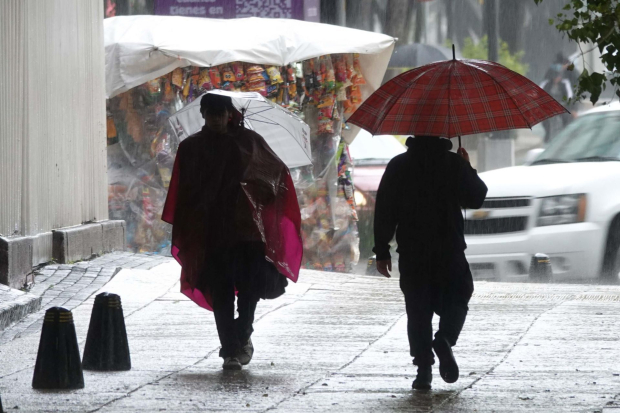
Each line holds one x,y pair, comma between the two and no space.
230,9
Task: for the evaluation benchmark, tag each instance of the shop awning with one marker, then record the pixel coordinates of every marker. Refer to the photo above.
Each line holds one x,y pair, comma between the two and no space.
142,48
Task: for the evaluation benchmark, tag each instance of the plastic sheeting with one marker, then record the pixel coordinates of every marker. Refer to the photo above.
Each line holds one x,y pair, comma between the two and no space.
322,91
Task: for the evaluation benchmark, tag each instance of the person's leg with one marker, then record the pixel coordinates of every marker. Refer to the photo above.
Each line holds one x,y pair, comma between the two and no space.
419,325
454,301
452,311
246,306
223,297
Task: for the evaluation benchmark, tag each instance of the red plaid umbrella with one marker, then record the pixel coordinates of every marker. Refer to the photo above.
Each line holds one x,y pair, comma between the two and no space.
454,98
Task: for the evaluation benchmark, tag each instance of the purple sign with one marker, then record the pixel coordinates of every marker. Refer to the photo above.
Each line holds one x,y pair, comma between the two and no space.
230,9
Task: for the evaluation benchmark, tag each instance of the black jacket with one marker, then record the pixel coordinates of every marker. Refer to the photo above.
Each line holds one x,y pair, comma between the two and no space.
420,197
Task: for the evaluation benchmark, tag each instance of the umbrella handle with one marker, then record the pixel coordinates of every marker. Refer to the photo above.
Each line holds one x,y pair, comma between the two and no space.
459,142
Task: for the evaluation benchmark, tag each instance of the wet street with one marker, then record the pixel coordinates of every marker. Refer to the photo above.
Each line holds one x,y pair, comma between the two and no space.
335,342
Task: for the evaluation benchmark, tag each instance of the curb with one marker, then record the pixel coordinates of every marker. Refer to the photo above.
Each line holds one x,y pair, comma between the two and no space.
15,305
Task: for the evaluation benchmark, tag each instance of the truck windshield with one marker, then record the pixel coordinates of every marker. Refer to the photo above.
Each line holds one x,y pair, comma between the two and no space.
591,138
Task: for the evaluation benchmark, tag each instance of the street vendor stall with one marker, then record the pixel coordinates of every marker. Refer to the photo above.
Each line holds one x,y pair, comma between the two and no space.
157,65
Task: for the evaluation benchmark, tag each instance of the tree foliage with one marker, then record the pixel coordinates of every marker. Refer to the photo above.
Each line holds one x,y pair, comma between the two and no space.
480,51
596,22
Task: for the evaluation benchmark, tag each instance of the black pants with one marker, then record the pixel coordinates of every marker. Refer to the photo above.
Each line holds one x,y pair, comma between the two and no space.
447,296
236,268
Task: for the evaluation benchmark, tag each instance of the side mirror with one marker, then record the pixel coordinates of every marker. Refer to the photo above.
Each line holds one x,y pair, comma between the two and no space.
531,155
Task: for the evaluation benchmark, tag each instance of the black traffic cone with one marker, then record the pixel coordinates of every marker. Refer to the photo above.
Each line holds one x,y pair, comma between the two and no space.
107,348
58,360
540,268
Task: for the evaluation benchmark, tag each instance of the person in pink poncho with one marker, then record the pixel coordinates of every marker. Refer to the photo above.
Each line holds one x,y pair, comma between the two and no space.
236,224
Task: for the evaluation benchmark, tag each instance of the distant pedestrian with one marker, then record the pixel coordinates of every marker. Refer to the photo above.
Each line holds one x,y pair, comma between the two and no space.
420,199
559,83
234,211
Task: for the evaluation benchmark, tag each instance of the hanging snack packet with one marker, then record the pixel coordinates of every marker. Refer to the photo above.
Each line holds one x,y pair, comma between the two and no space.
355,94
290,74
168,93
237,68
326,126
358,78
292,90
274,75
340,68
187,86
326,100
259,87
272,90
254,69
349,66
216,79
330,77
319,72
348,107
177,77
326,112
204,80
228,75
341,94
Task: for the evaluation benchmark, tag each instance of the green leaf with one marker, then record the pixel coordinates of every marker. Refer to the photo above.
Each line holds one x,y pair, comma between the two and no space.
551,21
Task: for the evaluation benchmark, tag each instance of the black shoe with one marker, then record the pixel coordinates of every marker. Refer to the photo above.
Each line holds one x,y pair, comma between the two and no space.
231,363
423,379
448,369
245,353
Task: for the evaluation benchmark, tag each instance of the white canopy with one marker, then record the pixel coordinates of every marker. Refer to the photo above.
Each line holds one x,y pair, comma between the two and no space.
142,48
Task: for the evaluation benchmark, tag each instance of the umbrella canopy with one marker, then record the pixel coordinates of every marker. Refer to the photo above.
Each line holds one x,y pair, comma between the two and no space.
417,54
454,98
142,48
286,134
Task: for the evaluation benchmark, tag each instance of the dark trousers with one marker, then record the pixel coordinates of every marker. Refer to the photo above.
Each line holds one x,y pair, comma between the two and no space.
235,272
446,295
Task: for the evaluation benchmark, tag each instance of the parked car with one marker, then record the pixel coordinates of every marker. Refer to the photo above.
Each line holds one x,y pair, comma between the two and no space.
565,204
370,155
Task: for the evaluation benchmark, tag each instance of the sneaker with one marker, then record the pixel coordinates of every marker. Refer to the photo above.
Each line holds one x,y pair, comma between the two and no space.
423,379
231,363
448,369
245,353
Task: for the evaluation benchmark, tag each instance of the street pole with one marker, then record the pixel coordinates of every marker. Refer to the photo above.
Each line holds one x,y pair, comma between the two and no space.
497,149
491,17
341,14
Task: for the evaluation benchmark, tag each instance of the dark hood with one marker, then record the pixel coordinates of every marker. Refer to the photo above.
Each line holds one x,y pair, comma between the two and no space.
428,144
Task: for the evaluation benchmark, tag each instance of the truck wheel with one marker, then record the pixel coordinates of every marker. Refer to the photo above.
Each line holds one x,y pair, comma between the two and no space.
611,259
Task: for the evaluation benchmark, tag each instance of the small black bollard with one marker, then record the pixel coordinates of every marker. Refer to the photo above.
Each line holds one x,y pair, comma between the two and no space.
107,348
540,267
58,360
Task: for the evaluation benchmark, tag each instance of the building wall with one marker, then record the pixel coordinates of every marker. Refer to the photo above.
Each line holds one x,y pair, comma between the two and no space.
52,115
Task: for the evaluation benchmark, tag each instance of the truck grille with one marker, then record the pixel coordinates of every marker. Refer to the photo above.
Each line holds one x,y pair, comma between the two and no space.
495,225
496,203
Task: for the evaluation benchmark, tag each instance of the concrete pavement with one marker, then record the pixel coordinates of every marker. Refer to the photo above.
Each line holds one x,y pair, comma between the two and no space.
337,343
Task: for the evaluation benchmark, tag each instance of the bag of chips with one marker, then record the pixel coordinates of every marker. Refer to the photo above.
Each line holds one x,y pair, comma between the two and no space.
237,68
228,75
274,75
216,79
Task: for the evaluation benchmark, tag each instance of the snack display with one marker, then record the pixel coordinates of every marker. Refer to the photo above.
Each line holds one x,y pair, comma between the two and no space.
142,148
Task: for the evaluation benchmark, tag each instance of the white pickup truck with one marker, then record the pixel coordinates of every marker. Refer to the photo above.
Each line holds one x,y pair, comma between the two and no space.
565,204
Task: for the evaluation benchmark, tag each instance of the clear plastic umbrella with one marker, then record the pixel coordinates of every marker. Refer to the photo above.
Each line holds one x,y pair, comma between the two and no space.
286,134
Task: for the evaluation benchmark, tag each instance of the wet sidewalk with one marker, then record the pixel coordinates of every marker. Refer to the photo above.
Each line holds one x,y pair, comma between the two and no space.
336,343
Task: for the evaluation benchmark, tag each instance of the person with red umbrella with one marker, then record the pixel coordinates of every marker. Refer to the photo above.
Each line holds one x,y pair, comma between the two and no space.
423,190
